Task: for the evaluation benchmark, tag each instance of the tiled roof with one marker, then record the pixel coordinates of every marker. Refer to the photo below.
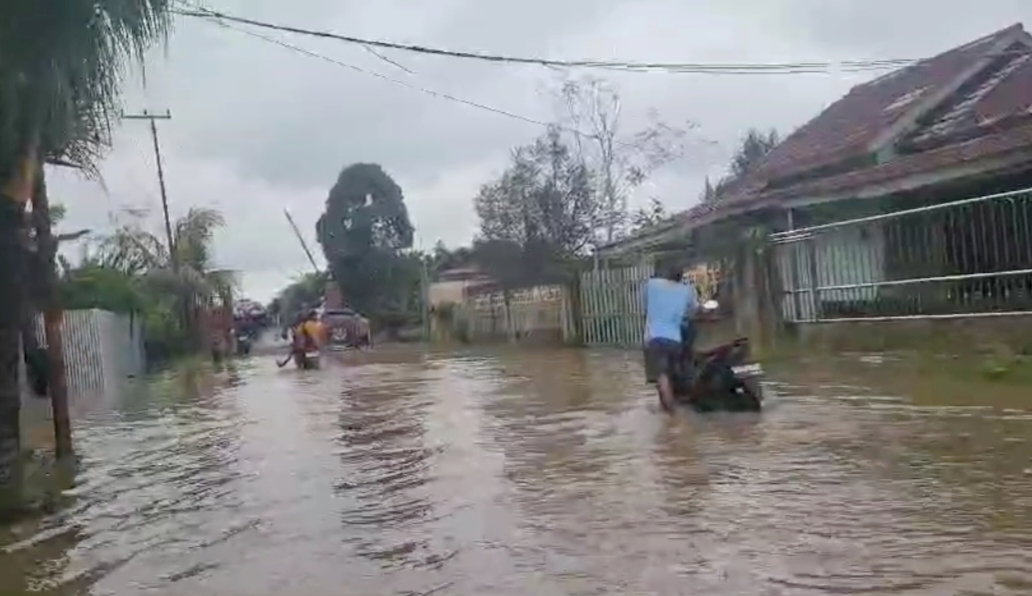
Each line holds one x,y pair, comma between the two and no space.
918,163
1000,143
989,115
847,127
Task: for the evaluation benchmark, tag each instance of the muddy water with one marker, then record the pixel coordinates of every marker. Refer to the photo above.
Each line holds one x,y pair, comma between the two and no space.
534,473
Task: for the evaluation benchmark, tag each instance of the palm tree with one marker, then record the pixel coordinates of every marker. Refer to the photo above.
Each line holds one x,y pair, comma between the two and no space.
61,69
190,277
138,251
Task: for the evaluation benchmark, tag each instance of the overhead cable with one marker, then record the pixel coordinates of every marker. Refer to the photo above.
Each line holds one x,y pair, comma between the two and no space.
809,67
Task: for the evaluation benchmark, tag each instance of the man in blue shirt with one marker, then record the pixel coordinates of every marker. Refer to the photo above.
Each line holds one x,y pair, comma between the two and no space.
669,302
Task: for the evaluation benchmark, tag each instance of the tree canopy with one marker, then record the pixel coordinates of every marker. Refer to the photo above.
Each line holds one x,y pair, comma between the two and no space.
749,154
617,161
364,231
545,196
541,211
130,270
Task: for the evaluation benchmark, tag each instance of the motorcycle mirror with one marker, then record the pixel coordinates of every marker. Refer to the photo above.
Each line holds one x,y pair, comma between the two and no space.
710,305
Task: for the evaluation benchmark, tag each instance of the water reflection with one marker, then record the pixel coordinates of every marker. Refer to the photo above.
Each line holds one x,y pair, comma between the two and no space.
543,472
386,464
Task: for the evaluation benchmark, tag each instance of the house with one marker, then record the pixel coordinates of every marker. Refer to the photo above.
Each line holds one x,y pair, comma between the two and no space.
453,285
866,198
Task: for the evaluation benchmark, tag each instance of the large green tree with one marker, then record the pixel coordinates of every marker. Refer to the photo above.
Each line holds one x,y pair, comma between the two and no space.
61,69
364,232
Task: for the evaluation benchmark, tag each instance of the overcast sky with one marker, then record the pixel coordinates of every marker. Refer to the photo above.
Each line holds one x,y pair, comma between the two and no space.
257,127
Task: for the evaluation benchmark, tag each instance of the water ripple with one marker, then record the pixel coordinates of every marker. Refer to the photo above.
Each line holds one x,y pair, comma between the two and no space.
546,472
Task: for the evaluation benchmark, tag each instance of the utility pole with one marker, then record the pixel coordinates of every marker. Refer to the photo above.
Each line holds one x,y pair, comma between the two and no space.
190,320
161,176
424,279
301,239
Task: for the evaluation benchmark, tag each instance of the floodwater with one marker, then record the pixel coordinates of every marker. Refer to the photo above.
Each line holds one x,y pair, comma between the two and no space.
535,472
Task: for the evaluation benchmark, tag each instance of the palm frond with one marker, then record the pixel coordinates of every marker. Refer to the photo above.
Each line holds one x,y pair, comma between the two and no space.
62,70
184,281
194,233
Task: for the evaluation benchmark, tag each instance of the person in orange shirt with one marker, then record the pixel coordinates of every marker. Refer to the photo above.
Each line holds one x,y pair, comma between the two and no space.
309,337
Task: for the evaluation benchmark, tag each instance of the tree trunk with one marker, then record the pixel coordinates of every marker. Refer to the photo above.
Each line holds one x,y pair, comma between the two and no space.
53,316
28,327
11,297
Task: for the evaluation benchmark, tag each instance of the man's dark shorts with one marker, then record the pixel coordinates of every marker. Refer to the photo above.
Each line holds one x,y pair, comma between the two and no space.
662,356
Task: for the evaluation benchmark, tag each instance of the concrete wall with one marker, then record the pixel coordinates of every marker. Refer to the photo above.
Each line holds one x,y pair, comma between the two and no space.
535,315
972,335
441,292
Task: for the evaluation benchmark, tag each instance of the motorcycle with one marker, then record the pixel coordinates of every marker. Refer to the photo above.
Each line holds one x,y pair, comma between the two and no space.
244,342
720,379
306,360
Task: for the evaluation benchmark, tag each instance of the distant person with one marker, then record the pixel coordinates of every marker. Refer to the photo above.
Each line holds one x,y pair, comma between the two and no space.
308,333
670,303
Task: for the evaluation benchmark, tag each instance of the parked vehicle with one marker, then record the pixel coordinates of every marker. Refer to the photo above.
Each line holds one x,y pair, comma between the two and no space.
345,328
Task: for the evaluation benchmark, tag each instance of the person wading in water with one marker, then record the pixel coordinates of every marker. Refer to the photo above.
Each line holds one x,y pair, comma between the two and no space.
670,302
306,336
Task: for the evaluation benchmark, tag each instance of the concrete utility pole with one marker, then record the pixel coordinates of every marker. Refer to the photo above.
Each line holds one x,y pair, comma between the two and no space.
301,239
161,176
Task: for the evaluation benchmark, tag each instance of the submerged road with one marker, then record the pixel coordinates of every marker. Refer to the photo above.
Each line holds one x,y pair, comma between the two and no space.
545,472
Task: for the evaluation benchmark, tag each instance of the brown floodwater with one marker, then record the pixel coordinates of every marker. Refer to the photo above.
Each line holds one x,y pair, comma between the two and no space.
535,472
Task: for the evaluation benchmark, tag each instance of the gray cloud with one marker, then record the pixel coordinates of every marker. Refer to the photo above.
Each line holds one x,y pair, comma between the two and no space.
257,127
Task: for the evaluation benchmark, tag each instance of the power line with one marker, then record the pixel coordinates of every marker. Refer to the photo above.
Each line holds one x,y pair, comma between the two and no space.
812,67
431,92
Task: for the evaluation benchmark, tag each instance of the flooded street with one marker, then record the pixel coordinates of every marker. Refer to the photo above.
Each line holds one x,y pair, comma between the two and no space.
547,472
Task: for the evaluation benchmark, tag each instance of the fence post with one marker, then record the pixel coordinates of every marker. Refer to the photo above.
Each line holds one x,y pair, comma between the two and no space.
811,246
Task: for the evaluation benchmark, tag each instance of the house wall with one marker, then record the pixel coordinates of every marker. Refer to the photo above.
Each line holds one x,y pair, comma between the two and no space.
534,314
441,292
539,314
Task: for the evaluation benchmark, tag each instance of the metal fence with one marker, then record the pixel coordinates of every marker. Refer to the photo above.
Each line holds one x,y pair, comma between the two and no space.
967,258
612,308
101,349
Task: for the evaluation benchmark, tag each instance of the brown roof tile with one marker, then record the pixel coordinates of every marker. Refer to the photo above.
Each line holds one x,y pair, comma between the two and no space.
848,126
995,144
1012,96
928,161
1000,121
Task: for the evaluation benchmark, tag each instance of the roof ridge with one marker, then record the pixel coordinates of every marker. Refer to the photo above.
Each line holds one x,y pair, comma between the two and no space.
985,39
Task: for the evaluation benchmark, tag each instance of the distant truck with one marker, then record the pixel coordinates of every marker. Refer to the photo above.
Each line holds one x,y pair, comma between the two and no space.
345,328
